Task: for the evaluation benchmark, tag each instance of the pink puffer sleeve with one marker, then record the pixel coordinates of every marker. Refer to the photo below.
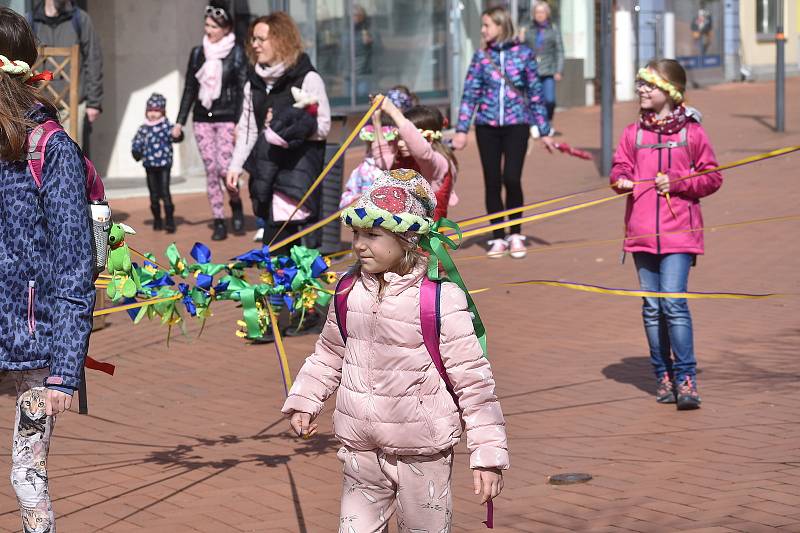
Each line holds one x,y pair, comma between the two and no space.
471,375
623,166
703,158
321,373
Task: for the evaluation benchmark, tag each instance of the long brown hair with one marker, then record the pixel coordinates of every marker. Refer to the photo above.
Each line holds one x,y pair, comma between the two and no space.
283,34
17,99
429,118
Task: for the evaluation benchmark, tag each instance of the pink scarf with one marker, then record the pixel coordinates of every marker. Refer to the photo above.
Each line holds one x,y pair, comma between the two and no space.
270,74
210,74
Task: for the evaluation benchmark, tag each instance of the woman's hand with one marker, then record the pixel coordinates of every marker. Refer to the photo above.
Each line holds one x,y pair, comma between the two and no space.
549,143
177,131
623,184
232,179
56,402
268,119
662,184
302,426
460,141
488,482
557,76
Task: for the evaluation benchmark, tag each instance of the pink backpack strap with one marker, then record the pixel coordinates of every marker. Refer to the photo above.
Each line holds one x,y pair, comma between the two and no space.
430,319
340,302
37,141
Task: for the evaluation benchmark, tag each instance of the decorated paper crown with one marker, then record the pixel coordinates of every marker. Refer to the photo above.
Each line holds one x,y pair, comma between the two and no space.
399,201
651,76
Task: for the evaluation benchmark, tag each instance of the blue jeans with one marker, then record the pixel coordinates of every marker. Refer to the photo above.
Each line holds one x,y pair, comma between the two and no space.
667,322
549,90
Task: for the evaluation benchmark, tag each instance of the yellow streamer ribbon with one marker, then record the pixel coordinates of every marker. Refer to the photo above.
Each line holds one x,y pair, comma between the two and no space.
346,144
126,307
284,361
643,294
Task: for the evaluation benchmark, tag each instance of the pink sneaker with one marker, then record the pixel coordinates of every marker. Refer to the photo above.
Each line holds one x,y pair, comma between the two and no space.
499,248
517,244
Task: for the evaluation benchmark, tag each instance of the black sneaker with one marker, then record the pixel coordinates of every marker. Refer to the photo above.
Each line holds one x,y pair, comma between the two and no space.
665,391
688,398
220,230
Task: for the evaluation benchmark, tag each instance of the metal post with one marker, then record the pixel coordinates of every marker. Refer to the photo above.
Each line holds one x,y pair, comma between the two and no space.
636,59
606,85
780,71
83,401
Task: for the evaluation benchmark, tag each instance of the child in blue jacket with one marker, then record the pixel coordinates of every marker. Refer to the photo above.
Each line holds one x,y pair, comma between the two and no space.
153,146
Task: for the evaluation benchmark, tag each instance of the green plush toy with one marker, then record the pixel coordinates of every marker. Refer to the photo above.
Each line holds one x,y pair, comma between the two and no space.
124,279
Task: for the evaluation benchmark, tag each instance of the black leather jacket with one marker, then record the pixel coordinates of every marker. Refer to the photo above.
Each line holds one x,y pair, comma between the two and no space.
228,106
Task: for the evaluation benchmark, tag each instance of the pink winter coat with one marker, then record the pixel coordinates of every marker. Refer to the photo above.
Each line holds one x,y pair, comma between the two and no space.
647,212
390,395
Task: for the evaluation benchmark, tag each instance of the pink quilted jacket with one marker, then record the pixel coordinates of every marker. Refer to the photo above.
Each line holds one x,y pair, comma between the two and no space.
390,394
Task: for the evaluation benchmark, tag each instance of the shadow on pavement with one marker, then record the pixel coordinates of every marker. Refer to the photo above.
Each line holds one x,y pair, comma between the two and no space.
634,371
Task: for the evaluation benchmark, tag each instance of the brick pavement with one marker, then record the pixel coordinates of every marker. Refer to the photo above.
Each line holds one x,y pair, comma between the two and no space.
189,439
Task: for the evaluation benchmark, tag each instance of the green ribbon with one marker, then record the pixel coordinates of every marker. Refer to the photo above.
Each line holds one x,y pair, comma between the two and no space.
436,244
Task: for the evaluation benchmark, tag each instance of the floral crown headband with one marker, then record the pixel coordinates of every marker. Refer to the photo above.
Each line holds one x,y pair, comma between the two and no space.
367,133
431,135
22,69
651,76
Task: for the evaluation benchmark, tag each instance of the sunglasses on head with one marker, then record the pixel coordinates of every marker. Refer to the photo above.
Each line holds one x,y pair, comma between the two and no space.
216,12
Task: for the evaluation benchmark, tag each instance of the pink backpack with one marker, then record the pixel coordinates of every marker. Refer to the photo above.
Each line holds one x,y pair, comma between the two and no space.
37,144
429,315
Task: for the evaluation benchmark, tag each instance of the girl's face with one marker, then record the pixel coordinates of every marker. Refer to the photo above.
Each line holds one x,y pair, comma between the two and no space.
652,98
153,115
540,15
489,30
402,148
377,249
214,31
265,52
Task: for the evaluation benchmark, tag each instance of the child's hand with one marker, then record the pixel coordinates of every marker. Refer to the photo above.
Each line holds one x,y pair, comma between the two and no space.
662,184
623,184
388,107
488,482
302,426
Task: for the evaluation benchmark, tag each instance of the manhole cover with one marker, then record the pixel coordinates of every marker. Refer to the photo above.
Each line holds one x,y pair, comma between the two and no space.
568,479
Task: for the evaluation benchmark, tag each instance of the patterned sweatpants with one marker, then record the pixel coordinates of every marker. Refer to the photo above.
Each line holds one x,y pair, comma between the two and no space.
376,485
215,141
32,431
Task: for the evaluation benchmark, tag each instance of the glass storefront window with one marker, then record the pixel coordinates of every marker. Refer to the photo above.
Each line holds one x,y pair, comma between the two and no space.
370,46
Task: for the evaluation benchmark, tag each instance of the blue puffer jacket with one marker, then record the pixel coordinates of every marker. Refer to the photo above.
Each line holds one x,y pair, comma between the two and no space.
487,93
46,277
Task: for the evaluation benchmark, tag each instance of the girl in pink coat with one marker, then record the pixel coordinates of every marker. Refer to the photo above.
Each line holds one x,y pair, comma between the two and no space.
663,223
394,416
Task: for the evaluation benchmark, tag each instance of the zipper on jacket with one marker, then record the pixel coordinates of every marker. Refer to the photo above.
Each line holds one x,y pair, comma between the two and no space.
371,359
502,87
31,307
658,203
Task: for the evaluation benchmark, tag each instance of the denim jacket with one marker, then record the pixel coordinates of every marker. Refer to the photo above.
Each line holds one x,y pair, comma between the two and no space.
46,268
488,96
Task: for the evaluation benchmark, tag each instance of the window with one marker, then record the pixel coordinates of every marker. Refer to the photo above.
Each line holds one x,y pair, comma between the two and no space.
766,19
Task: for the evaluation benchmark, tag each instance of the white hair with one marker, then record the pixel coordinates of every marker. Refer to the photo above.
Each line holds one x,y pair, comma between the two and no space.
541,3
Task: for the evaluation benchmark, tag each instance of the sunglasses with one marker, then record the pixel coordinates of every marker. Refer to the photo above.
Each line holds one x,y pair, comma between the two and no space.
216,12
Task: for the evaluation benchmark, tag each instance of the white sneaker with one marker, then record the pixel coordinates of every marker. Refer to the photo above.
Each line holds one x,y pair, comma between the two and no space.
516,243
499,248
259,236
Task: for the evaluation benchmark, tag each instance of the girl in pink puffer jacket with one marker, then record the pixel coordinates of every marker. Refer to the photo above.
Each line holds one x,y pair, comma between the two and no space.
394,416
663,223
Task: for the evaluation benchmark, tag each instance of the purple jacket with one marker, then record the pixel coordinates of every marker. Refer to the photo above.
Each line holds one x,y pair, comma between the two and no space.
647,212
488,95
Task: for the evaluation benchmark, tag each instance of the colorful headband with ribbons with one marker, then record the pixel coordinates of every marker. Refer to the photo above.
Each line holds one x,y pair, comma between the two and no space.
651,76
431,135
21,68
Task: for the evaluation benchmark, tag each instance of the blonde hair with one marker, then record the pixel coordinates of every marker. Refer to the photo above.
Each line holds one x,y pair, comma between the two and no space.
544,5
502,17
284,36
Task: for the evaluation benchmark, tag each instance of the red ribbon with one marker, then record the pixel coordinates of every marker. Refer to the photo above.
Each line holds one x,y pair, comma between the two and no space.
489,515
45,75
94,364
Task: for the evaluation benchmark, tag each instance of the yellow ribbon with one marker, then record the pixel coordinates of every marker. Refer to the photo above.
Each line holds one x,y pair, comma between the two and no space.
643,294
126,307
284,361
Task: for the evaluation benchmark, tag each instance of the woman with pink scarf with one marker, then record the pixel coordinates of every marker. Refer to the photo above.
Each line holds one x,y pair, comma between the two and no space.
215,81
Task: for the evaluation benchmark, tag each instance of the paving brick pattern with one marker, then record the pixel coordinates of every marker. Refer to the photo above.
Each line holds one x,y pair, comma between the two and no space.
189,438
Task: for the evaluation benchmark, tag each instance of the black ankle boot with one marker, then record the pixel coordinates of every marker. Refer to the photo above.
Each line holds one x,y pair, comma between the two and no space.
156,210
237,220
220,231
169,223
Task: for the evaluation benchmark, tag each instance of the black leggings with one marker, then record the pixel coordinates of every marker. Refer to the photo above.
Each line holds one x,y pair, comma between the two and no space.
158,183
502,152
